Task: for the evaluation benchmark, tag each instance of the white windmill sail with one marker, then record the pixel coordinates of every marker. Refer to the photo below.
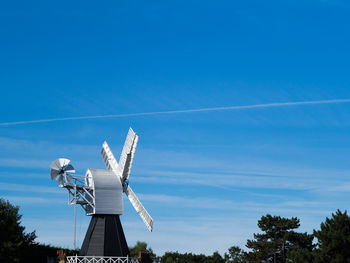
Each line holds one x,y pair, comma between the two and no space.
127,155
108,157
147,219
129,160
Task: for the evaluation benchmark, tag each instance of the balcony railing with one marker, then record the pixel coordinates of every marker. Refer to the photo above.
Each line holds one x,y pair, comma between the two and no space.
95,259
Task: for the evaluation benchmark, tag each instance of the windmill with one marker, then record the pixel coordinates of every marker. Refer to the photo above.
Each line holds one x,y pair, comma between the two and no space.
100,193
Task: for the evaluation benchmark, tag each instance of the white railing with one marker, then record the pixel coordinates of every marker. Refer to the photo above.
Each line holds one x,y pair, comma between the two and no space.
95,259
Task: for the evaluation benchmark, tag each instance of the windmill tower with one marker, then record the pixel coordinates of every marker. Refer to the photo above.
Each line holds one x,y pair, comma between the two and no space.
100,193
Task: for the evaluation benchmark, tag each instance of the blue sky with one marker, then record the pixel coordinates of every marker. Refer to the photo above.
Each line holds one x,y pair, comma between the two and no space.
205,177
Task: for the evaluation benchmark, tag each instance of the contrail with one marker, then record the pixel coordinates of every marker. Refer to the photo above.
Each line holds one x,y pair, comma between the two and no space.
242,107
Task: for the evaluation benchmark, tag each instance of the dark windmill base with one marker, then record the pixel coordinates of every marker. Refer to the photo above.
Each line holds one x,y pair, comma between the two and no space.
105,237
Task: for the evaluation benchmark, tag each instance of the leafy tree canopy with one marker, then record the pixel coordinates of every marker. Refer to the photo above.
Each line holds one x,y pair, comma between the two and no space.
141,247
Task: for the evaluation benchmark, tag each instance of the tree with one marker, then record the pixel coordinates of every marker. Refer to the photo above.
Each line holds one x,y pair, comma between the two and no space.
301,255
235,255
176,257
141,247
278,241
215,258
13,239
334,239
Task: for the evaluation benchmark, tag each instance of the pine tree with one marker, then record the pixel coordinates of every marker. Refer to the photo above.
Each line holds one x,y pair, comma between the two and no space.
235,255
334,239
277,241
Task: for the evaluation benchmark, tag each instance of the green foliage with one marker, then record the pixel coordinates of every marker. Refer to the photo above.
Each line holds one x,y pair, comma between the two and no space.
39,252
141,247
277,241
215,258
13,239
301,255
334,239
235,255
176,257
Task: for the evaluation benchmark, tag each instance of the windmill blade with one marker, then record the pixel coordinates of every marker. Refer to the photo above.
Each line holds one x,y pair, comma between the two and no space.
127,155
53,173
59,179
129,160
68,168
59,166
108,157
63,161
147,219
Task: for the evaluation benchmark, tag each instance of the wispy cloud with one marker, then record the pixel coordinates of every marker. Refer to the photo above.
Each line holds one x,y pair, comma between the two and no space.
226,108
20,146
228,180
20,200
215,204
28,188
24,163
